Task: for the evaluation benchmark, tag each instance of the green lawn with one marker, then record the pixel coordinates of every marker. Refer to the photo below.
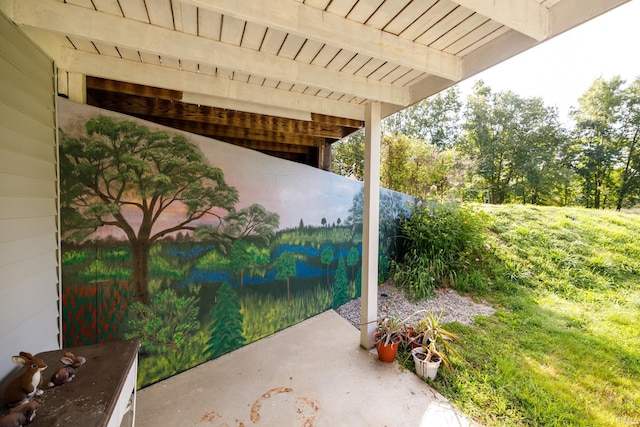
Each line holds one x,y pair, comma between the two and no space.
564,347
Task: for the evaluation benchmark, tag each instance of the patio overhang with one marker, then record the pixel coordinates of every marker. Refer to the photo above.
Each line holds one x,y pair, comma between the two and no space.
285,77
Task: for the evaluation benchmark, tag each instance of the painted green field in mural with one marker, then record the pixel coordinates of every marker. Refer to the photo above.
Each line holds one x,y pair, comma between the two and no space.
195,288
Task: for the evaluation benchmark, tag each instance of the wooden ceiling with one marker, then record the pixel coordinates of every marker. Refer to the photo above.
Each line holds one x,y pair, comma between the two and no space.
286,77
304,141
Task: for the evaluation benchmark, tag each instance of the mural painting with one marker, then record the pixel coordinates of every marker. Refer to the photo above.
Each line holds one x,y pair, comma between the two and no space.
196,246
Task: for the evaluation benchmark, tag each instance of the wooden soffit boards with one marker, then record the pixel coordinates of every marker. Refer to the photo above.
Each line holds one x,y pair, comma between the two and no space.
297,140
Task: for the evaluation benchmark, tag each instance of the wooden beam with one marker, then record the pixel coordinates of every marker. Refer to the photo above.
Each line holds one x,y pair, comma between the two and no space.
272,147
141,105
340,121
206,85
75,21
126,88
293,17
528,17
241,133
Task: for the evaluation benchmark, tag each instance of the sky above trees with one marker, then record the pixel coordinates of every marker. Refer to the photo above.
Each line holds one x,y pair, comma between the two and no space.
563,68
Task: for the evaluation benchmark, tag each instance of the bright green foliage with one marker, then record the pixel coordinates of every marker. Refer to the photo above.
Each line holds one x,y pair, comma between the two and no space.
340,285
597,119
606,154
166,324
516,143
629,184
441,240
563,347
412,166
226,323
435,120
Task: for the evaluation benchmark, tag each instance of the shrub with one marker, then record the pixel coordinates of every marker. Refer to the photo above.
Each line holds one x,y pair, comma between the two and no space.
440,239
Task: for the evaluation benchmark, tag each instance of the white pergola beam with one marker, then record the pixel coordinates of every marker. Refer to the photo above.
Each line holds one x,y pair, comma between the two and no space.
528,17
309,22
75,21
205,85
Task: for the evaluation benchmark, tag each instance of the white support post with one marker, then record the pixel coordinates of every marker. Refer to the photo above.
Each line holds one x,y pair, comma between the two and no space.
370,228
77,87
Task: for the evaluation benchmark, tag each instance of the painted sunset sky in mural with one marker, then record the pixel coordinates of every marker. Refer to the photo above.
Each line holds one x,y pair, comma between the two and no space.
294,191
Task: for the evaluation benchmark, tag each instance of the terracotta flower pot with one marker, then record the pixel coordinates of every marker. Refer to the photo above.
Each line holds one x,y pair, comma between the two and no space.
387,353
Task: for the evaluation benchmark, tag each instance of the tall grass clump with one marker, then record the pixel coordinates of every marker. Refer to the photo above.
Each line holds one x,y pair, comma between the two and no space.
441,241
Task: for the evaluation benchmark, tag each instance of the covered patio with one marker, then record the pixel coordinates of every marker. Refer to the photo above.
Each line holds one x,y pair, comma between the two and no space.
311,374
287,78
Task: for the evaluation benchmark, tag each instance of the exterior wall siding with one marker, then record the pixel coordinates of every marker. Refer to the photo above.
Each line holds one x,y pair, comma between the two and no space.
29,294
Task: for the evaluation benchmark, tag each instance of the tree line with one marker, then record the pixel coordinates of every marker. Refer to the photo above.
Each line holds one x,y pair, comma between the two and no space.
500,147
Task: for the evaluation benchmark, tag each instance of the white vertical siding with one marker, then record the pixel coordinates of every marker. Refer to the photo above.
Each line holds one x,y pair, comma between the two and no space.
28,199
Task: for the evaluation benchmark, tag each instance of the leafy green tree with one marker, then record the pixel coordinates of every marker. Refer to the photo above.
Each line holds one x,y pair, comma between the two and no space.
341,285
326,258
226,323
515,142
412,166
435,120
630,152
286,266
597,120
120,167
165,325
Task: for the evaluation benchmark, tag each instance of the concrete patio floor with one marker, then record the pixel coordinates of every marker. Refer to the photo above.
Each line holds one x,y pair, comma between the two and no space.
313,374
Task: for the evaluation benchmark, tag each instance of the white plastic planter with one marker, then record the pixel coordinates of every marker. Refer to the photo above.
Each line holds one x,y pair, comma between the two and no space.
425,369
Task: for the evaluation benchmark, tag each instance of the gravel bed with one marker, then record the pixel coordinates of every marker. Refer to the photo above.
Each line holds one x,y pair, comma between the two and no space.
392,301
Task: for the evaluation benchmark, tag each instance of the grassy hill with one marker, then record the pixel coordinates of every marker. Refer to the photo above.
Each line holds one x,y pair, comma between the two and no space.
564,347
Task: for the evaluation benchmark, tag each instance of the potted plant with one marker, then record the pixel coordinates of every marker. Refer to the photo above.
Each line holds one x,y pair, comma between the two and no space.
389,334
435,345
387,337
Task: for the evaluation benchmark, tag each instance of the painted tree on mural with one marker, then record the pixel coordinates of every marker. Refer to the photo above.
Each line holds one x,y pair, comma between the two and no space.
286,266
167,324
353,258
226,323
121,174
341,285
326,258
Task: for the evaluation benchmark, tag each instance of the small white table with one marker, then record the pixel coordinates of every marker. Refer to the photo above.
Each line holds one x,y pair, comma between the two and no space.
102,393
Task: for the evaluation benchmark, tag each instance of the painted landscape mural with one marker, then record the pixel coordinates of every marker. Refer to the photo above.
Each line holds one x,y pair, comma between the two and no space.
195,246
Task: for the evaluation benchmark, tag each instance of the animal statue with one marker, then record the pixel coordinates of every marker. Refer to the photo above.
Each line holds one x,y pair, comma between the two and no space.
20,415
25,386
67,372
